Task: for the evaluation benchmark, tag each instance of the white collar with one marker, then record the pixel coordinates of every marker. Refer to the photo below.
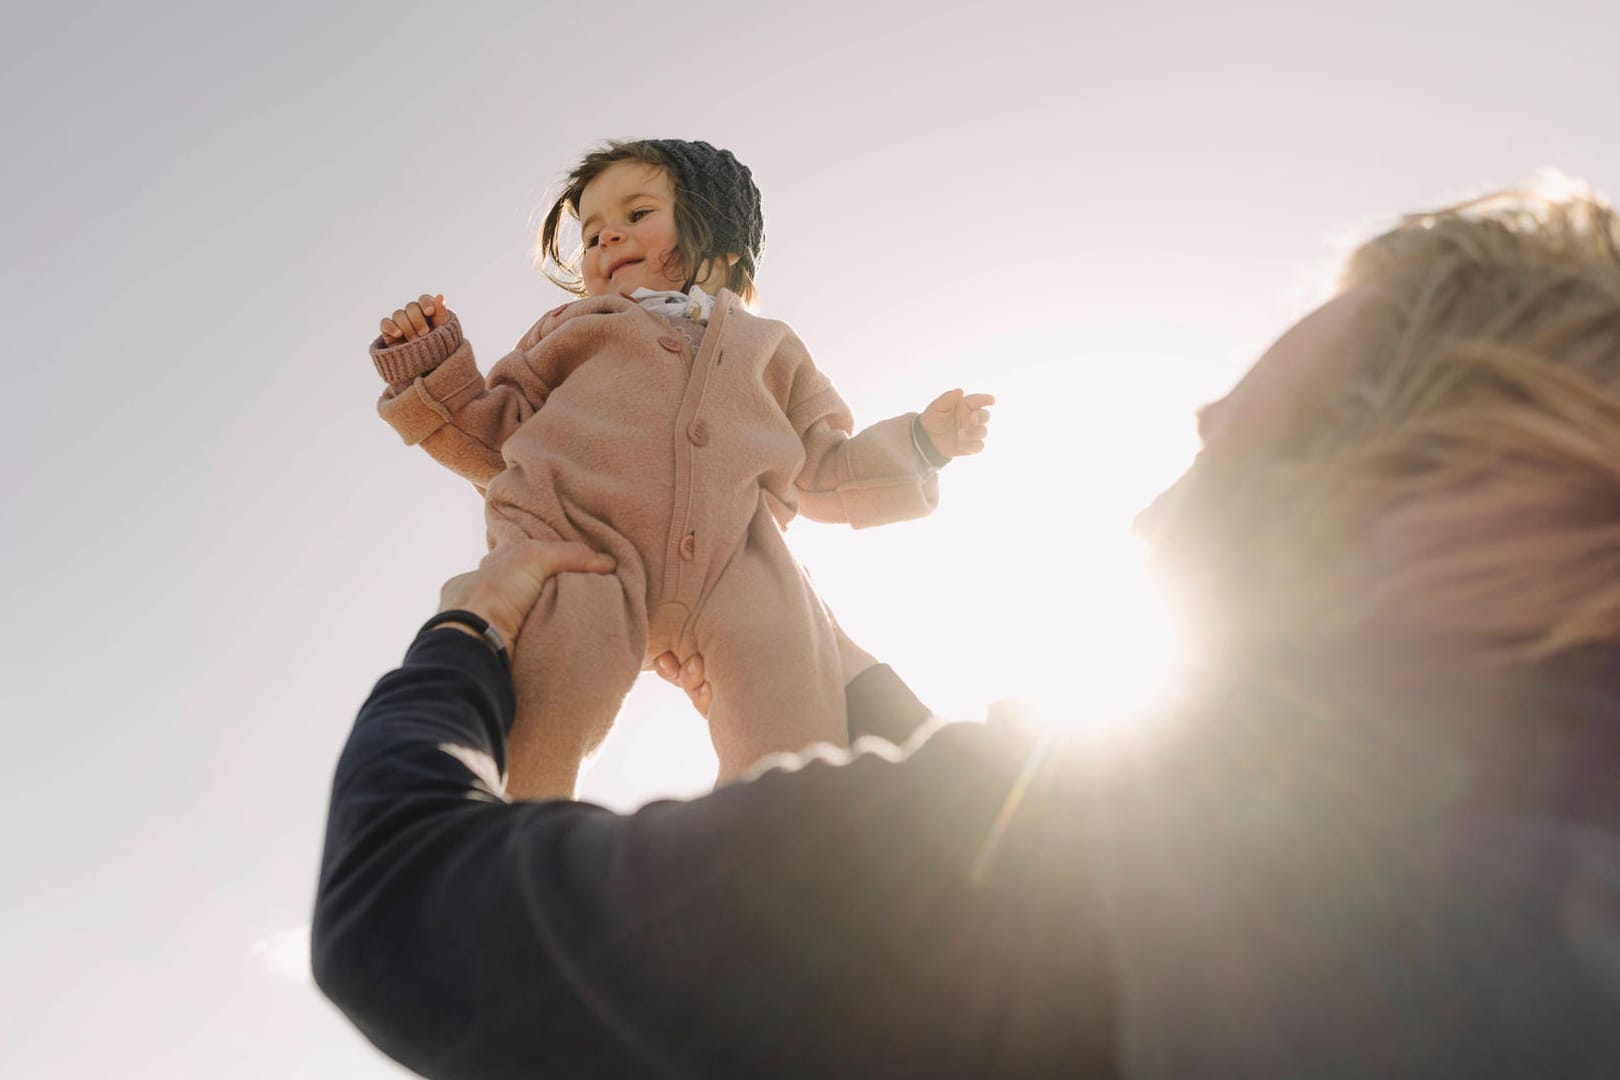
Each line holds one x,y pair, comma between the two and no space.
698,306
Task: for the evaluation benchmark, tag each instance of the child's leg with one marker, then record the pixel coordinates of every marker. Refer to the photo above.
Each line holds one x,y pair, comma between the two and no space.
576,657
770,654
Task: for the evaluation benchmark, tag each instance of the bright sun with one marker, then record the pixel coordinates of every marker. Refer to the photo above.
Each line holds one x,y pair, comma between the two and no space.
1127,644
1026,583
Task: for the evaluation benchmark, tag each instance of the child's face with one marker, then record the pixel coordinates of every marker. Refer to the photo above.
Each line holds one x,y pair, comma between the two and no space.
627,220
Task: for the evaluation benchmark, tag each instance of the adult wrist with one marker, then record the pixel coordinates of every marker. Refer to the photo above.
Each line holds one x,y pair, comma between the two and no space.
473,624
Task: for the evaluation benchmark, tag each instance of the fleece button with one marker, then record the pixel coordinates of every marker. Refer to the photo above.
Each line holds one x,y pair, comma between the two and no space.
670,343
688,546
698,433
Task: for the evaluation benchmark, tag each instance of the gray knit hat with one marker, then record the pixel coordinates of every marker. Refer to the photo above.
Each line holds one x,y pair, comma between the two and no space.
725,187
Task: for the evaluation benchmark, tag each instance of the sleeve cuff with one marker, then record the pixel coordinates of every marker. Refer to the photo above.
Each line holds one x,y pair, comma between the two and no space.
399,364
452,648
925,445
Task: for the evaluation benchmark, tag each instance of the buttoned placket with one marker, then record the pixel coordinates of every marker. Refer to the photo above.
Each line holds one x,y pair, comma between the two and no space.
679,587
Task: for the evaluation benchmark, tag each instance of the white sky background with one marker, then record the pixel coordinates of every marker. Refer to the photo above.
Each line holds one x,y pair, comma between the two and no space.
212,546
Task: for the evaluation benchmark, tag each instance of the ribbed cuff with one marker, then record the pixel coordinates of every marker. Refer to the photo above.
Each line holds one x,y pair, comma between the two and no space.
399,364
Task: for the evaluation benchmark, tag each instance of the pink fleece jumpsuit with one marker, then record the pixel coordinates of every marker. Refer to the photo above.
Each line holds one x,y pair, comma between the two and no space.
602,427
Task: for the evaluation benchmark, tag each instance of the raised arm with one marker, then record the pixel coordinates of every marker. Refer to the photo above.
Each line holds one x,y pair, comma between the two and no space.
887,472
437,398
829,921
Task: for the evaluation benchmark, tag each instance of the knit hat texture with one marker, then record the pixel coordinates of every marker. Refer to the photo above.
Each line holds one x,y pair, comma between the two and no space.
727,187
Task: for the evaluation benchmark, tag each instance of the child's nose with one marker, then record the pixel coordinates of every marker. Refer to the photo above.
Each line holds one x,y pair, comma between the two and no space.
611,236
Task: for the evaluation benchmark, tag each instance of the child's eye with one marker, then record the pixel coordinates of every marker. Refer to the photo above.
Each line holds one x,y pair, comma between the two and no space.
637,215
590,241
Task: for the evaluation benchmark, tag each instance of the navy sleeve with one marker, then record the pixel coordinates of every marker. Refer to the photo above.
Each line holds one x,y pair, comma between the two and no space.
879,703
833,920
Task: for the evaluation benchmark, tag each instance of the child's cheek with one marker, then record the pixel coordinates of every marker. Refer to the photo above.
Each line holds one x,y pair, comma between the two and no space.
669,265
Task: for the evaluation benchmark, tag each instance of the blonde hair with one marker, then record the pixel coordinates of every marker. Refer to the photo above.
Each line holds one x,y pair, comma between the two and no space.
1449,493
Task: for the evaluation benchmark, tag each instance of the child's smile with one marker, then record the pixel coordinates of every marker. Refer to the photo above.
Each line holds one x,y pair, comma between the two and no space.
627,223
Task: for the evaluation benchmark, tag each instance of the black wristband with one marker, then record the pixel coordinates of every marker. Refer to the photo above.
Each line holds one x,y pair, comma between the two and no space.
491,636
925,445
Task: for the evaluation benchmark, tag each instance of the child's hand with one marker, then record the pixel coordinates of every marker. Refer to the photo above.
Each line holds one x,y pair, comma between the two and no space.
416,319
957,423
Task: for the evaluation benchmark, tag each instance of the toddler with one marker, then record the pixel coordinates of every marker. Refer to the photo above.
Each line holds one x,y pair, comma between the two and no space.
658,420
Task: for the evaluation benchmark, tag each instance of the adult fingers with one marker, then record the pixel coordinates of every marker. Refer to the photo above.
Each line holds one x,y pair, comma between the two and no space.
509,580
542,558
689,677
692,672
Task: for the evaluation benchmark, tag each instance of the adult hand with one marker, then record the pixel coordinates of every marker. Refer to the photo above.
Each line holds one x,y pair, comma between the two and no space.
508,581
958,423
690,675
416,319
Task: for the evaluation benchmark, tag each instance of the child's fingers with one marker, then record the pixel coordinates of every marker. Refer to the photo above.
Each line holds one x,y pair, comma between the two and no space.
978,401
402,320
433,308
416,319
946,402
419,323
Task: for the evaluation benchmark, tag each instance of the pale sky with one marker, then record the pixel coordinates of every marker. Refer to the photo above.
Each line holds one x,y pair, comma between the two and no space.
213,547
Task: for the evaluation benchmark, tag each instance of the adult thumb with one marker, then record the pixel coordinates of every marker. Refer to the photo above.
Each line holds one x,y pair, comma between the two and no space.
572,556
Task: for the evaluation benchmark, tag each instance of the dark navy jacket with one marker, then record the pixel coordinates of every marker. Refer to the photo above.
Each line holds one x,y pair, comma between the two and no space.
1429,892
